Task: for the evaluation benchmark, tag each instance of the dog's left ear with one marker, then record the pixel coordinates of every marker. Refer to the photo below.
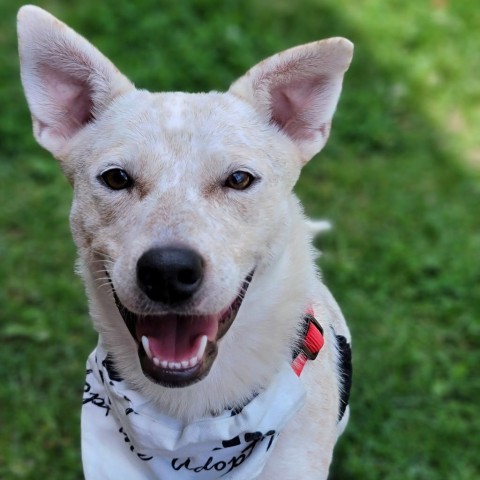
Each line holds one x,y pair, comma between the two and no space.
298,89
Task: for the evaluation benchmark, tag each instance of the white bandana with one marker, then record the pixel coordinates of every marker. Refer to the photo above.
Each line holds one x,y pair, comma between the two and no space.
124,436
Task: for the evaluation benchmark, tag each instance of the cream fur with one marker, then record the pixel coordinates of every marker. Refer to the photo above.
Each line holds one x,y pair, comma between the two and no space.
179,148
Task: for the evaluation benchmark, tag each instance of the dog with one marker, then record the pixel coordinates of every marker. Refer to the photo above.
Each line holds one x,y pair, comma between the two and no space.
221,353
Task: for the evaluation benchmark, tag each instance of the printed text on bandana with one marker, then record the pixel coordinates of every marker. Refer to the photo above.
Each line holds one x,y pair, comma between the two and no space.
253,442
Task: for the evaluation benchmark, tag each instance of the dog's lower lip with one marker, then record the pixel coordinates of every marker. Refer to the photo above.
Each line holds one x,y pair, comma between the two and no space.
173,372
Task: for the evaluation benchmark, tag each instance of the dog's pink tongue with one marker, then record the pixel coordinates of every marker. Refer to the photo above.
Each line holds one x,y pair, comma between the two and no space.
177,338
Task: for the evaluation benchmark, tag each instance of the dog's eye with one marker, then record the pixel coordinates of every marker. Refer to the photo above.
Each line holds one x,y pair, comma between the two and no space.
239,180
117,179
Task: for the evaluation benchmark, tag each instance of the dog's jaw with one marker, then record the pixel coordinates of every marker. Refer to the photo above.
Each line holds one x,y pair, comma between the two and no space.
178,350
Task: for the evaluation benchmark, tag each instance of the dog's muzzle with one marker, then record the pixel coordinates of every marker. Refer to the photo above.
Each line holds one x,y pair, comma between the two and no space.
175,349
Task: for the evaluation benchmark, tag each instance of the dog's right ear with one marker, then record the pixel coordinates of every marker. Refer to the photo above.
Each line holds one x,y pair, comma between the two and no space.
67,81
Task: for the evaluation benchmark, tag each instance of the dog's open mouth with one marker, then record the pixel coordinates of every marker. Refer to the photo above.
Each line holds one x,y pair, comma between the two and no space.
178,350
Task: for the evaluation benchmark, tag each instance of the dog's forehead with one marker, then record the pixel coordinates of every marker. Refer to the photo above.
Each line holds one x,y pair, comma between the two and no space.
205,117
188,132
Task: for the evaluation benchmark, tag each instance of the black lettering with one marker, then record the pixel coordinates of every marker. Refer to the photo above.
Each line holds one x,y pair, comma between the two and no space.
219,466
251,437
98,401
185,464
201,468
236,462
125,436
248,450
143,457
233,442
271,434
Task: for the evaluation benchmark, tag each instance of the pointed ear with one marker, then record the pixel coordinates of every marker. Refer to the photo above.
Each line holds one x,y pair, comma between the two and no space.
68,82
298,90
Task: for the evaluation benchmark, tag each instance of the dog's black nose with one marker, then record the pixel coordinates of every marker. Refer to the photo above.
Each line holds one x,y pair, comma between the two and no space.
169,274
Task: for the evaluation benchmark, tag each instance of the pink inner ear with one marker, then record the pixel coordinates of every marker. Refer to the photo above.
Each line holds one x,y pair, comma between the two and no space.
68,104
297,108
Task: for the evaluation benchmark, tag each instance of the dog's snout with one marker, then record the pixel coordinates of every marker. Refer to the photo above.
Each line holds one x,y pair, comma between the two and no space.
170,274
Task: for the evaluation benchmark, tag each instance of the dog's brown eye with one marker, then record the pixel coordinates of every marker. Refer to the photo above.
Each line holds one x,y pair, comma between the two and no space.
239,180
117,179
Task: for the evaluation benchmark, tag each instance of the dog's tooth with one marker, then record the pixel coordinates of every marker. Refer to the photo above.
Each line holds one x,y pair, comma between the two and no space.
156,361
178,365
146,346
171,365
164,364
202,347
193,361
185,363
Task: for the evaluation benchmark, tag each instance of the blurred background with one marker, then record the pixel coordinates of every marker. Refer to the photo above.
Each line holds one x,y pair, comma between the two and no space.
399,178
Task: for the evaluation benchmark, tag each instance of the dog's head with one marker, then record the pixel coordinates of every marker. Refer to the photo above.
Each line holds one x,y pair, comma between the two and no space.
180,200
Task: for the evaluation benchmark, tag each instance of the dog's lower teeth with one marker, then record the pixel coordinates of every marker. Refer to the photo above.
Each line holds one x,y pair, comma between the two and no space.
175,365
184,364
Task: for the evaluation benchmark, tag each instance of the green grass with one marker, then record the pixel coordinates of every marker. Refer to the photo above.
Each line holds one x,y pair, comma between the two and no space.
399,178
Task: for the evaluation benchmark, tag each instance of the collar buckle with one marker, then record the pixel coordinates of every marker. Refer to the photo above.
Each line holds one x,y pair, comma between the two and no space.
312,342
313,337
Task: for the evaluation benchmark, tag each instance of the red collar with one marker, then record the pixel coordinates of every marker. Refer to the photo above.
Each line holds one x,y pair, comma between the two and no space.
311,342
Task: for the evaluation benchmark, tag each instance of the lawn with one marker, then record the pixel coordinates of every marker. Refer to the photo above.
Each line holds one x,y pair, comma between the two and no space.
399,178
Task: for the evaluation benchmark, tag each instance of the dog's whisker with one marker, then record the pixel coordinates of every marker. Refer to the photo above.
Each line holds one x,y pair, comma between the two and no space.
104,257
103,279
104,285
101,273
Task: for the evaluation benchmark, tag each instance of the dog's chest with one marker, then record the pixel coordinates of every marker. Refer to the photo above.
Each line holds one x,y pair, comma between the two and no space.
124,437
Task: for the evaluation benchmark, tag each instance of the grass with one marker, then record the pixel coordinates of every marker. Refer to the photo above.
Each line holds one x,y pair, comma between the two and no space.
399,178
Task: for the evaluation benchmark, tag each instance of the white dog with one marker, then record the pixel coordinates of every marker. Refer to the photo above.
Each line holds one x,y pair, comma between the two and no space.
197,261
